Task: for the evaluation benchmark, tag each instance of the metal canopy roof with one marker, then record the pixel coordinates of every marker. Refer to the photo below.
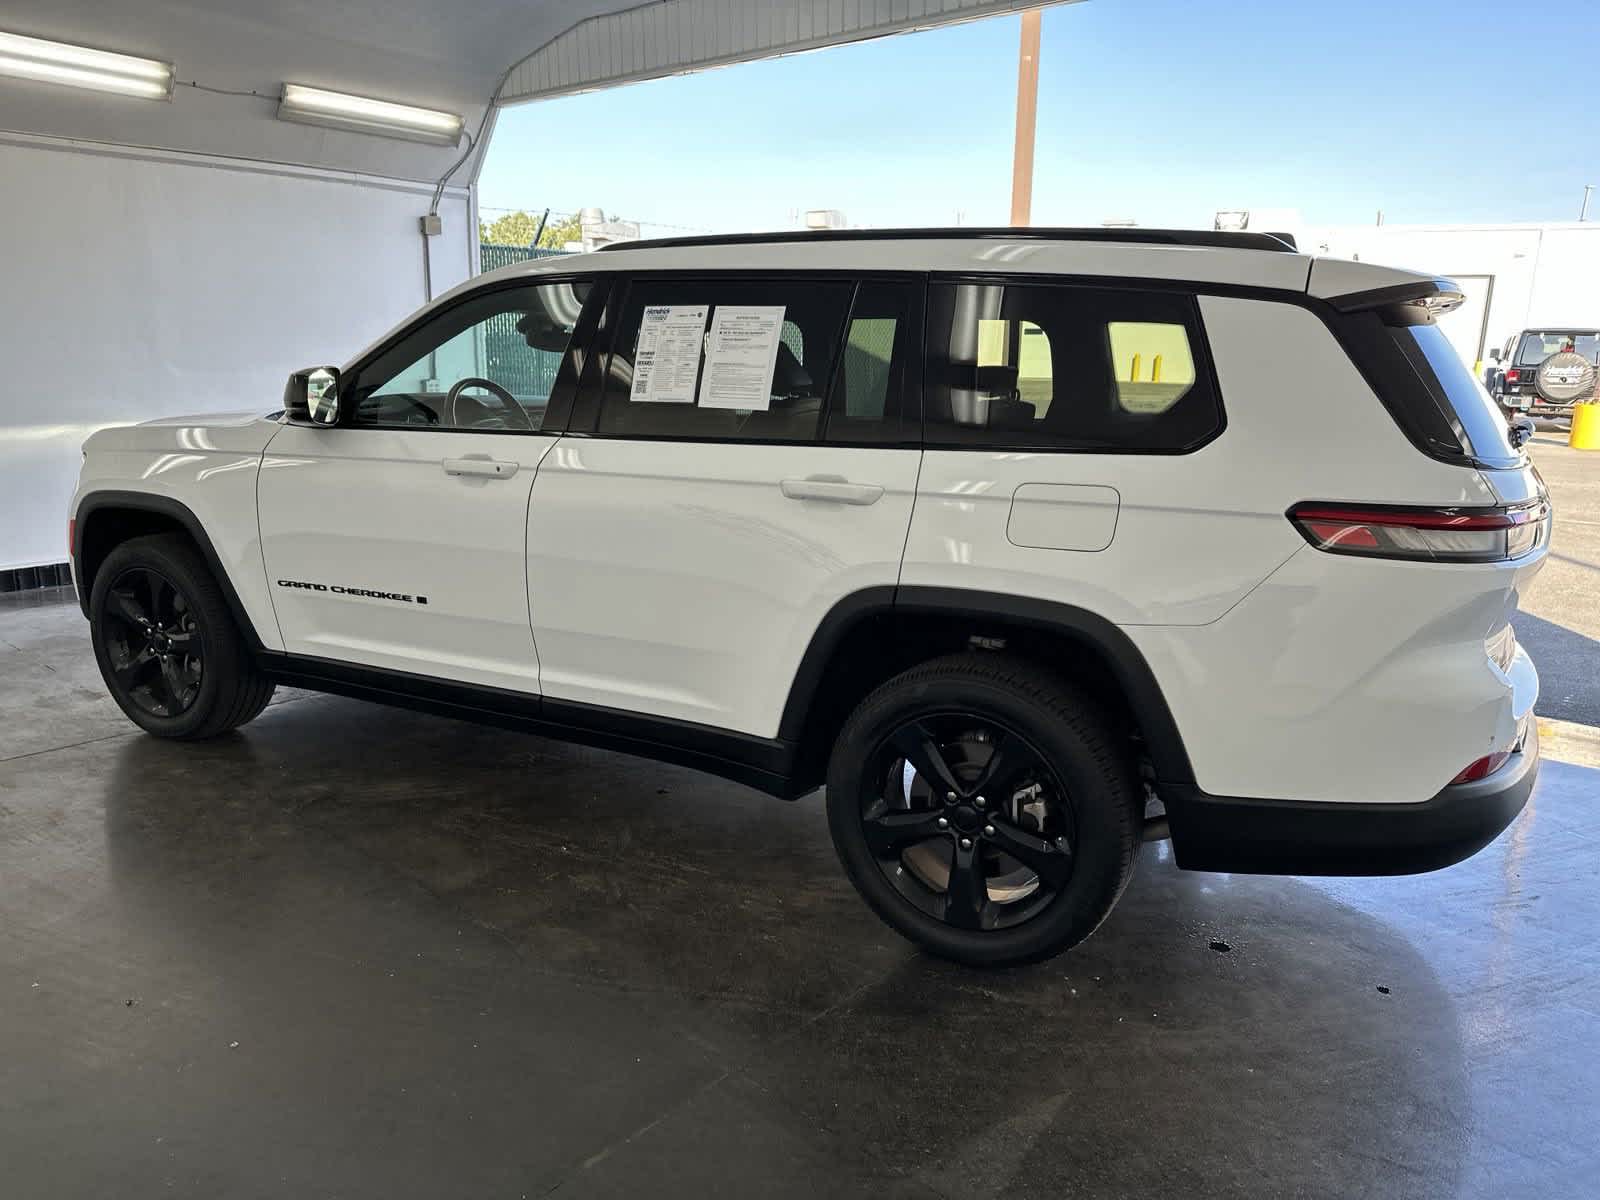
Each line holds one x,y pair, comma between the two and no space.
424,52
647,41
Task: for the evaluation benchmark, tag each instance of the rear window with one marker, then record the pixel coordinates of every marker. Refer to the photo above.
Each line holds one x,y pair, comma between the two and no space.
1066,367
1458,397
1536,347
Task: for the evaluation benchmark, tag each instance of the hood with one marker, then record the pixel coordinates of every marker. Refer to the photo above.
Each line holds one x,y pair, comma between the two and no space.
232,433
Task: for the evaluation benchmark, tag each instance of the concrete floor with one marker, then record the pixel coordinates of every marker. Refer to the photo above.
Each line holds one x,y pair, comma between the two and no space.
354,952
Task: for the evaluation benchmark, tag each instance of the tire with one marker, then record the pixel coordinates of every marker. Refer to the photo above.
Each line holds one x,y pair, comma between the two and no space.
155,595
1067,801
1564,378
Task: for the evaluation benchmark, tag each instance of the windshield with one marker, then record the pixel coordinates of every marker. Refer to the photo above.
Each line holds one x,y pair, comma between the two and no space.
1456,392
1536,347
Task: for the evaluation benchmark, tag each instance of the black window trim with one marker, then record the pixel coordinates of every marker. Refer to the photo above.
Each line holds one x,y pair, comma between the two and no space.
613,282
910,421
1200,349
599,281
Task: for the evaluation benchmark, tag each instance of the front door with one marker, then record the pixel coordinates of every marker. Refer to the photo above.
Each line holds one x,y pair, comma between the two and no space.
737,466
395,539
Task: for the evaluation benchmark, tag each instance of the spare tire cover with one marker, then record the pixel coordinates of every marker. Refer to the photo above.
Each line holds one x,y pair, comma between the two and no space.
1565,377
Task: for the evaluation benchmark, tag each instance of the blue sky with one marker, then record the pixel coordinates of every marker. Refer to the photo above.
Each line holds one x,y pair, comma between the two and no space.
1156,110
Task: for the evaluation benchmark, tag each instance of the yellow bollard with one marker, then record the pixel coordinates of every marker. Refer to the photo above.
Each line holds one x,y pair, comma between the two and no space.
1585,433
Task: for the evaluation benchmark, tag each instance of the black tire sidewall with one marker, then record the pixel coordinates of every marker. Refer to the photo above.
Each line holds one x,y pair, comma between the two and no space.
214,626
1099,786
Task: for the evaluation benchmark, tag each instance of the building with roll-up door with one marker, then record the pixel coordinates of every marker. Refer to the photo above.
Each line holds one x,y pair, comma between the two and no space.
1515,276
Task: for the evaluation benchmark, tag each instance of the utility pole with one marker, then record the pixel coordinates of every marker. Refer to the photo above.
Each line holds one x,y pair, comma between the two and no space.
1027,119
1583,213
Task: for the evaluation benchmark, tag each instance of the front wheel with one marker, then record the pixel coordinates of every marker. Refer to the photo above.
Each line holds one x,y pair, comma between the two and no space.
982,808
167,646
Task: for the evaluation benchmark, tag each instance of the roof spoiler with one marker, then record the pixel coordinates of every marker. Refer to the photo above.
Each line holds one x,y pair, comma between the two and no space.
1432,296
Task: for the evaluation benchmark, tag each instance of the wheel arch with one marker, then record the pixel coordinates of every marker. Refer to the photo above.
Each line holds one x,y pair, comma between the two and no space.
872,634
106,519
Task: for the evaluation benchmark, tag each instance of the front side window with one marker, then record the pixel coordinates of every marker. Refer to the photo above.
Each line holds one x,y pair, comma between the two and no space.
487,364
723,360
1065,367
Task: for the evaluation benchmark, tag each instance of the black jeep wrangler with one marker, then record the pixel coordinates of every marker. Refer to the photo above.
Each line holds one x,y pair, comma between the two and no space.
1544,372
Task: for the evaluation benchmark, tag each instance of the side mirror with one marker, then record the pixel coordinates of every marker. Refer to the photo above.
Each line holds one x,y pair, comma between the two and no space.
313,395
1494,356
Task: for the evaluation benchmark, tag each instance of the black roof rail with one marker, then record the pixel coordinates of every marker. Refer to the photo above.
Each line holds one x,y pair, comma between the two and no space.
1213,238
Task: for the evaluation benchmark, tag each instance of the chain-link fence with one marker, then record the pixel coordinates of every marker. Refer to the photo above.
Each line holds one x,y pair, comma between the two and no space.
530,374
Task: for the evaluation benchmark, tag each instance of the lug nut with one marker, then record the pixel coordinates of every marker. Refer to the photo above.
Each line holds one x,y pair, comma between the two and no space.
988,831
943,824
980,802
966,843
949,797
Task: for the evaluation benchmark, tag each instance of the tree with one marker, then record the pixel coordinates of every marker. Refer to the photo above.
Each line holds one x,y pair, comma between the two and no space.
517,228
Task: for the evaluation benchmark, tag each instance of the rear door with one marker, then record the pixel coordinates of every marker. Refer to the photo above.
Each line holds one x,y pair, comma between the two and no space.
743,459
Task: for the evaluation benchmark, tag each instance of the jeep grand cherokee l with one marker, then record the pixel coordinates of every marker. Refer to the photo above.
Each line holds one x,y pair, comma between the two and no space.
1028,544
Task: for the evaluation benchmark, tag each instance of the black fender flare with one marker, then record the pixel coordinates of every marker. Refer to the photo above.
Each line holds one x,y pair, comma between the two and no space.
178,512
1167,753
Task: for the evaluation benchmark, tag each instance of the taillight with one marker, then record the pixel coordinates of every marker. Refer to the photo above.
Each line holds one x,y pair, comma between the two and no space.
1483,768
1513,376
1423,534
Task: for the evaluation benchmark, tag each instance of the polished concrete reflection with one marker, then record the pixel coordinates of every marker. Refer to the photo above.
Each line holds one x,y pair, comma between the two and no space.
356,952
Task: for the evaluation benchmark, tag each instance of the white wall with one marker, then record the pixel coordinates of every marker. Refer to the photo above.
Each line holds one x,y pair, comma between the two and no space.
1543,274
136,285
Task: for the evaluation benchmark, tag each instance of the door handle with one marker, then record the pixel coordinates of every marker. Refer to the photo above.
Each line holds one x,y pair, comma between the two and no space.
480,468
831,487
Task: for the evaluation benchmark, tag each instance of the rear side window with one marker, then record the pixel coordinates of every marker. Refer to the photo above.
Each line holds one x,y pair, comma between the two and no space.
1065,367
877,366
723,360
1429,391
1453,390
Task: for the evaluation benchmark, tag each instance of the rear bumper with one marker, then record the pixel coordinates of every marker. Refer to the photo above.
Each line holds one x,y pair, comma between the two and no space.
1526,402
1286,837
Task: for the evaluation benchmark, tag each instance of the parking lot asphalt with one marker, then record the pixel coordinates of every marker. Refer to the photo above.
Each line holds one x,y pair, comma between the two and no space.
1559,621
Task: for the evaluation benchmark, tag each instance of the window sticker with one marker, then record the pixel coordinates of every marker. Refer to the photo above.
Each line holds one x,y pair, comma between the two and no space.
741,355
668,355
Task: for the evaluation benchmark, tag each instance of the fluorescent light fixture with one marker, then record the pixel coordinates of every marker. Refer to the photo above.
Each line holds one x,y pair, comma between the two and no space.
361,114
79,66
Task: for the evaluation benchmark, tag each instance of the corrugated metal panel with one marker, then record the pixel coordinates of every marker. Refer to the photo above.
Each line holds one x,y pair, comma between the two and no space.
671,36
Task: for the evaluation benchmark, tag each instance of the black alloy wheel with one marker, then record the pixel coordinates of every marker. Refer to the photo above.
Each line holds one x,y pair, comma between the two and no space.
985,808
167,644
967,821
157,653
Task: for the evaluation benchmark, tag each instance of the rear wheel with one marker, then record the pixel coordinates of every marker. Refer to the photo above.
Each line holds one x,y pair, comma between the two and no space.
983,810
168,648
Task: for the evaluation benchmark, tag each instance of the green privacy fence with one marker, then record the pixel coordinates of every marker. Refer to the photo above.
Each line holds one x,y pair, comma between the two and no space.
510,361
493,256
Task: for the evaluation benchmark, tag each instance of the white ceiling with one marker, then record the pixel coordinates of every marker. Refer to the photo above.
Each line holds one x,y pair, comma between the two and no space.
427,52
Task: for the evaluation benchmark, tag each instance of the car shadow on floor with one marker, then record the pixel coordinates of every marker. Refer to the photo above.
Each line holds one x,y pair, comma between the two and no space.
1569,668
465,955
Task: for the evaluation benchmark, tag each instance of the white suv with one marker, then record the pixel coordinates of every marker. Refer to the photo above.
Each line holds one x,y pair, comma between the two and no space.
1031,545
